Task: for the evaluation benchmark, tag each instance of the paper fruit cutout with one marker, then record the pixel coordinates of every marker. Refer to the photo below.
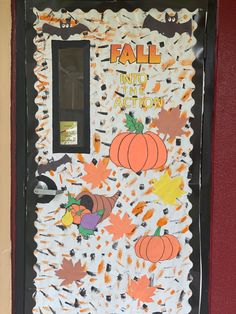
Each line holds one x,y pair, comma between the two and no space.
136,150
70,273
96,174
168,189
87,211
120,226
89,223
157,248
78,212
169,27
67,219
74,215
140,290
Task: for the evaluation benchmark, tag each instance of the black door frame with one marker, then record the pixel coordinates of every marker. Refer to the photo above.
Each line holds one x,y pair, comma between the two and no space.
21,151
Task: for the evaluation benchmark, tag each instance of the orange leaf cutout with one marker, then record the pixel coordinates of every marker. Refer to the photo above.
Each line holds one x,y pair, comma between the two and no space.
170,122
141,290
120,226
96,174
70,273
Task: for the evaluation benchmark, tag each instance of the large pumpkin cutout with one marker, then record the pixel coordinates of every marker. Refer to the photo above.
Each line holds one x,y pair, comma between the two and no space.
137,150
157,248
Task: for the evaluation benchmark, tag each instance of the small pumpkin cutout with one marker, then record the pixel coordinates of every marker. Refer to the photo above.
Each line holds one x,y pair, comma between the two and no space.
137,150
157,248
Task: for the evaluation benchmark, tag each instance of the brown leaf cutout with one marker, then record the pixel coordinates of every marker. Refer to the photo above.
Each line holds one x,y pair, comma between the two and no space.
70,273
170,122
141,290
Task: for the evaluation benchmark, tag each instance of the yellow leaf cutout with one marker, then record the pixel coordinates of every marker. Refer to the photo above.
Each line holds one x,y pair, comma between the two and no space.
168,189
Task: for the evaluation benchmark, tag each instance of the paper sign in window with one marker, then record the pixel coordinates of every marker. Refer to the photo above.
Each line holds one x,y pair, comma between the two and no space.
68,132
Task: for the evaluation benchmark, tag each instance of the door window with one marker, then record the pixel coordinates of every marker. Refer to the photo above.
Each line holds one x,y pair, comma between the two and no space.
71,131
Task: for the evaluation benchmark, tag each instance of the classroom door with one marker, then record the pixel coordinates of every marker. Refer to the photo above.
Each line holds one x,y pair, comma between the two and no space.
114,107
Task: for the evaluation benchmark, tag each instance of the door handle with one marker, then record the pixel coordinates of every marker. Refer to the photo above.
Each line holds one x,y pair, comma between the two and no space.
40,191
46,189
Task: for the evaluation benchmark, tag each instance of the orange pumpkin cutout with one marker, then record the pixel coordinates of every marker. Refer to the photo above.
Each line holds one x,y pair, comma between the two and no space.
137,150
157,248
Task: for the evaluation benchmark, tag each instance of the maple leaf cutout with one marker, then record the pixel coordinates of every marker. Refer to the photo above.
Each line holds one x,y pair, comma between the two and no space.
168,189
96,174
170,122
140,289
70,273
120,226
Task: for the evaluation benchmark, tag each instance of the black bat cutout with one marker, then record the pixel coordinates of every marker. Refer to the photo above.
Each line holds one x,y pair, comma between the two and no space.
53,165
65,30
169,27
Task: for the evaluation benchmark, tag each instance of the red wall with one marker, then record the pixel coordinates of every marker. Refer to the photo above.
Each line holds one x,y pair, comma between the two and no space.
223,258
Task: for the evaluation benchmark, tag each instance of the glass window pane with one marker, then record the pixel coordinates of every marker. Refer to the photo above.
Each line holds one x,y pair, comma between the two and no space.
71,103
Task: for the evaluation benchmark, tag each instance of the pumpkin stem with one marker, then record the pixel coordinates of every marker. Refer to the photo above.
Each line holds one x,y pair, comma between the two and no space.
133,124
157,232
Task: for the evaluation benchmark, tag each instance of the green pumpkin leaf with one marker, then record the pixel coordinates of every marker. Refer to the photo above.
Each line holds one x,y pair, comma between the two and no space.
133,124
139,127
